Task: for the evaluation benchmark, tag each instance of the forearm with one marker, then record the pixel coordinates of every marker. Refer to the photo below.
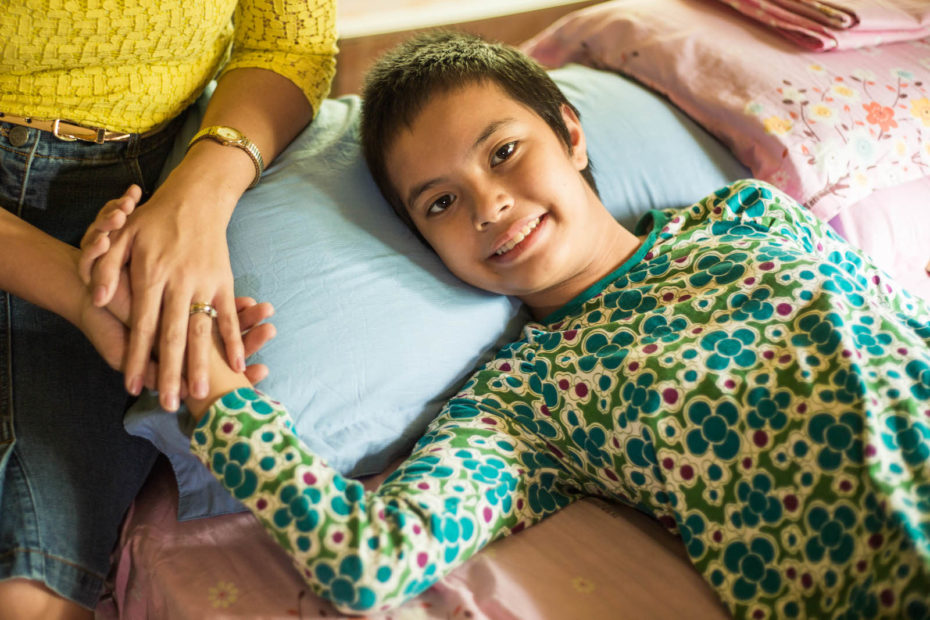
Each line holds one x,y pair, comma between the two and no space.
267,108
364,550
39,268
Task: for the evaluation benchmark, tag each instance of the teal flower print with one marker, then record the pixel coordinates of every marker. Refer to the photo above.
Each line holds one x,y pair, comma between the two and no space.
657,327
452,532
343,584
608,353
851,265
639,397
715,430
240,482
749,200
629,302
721,271
752,563
726,348
592,441
774,252
658,266
831,534
690,531
839,437
297,507
758,503
863,603
768,408
732,230
543,496
849,387
839,282
874,343
819,331
921,329
429,465
755,305
919,372
922,492
910,437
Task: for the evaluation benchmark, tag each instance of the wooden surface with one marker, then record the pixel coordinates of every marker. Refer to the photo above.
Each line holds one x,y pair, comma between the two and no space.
356,53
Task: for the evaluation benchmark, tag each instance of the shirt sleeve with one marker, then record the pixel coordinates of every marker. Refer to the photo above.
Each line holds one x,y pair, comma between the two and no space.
295,39
471,479
756,204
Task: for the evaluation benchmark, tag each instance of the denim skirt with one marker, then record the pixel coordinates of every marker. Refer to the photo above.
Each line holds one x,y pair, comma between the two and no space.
68,469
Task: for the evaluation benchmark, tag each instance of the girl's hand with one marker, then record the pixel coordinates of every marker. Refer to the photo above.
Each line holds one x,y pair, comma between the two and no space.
255,333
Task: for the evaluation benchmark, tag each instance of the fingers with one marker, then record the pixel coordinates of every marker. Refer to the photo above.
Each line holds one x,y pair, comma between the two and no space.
200,343
105,270
230,332
252,314
256,373
144,314
257,337
111,217
180,337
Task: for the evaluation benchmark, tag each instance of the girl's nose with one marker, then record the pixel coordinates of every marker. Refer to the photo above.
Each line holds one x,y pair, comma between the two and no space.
491,208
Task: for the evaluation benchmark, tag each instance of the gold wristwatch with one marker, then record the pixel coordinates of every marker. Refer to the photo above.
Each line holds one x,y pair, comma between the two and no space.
227,136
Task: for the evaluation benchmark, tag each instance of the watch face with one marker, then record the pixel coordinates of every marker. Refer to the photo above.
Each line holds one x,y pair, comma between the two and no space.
227,133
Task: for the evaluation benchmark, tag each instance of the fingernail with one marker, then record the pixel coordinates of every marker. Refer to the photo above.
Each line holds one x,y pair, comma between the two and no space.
171,402
240,364
135,386
200,388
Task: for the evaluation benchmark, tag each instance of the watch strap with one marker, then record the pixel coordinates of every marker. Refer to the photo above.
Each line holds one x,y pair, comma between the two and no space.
229,136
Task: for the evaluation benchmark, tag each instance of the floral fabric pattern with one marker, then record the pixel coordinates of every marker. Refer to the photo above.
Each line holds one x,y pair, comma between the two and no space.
783,433
827,129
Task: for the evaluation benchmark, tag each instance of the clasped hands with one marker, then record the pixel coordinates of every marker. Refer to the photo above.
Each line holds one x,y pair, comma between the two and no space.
140,295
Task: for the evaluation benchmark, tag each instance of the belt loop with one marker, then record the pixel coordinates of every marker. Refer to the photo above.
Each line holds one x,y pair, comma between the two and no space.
133,145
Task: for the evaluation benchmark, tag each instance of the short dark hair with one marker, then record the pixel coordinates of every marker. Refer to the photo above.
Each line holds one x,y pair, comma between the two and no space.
402,81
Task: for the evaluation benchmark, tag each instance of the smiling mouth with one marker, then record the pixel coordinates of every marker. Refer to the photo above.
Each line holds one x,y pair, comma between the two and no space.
522,234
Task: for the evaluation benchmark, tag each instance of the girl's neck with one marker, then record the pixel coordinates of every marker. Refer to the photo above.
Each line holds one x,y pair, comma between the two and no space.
608,251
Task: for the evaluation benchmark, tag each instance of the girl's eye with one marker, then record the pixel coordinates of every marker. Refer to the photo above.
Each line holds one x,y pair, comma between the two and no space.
440,204
503,153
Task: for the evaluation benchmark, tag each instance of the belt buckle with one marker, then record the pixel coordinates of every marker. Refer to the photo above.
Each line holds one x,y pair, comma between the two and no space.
70,137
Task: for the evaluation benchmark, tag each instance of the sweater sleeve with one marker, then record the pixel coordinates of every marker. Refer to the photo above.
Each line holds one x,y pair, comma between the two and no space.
471,479
295,39
851,272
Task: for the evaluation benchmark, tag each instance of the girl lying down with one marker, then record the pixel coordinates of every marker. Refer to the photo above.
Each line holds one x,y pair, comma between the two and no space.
733,369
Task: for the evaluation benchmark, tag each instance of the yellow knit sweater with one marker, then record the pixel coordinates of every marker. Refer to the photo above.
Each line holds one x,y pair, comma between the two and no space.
130,65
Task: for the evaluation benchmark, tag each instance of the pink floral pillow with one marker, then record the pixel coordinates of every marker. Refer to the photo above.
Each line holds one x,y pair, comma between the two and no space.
829,129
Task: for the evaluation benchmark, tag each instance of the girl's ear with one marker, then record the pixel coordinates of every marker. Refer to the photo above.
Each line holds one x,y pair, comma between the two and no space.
579,148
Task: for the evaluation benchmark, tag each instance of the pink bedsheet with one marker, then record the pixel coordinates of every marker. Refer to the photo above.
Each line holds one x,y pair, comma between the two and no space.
840,24
591,560
892,226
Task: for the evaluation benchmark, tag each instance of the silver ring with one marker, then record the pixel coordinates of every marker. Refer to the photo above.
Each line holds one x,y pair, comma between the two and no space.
205,308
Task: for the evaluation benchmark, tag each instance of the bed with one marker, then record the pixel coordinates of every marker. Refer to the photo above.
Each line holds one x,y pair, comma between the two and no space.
375,333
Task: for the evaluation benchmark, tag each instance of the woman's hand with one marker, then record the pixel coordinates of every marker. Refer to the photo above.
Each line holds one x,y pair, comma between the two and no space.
106,330
175,249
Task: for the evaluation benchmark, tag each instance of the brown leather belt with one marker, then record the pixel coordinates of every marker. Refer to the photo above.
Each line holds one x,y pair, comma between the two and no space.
70,131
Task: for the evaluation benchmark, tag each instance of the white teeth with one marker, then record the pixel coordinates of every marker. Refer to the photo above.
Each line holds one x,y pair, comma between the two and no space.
520,236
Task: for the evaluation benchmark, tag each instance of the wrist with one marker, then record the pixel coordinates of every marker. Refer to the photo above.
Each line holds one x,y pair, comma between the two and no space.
231,137
220,171
223,380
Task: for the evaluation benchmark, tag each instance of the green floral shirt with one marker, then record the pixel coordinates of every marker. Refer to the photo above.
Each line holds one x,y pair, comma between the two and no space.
746,378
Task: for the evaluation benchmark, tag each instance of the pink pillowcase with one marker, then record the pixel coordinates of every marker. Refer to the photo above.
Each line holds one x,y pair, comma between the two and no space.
829,129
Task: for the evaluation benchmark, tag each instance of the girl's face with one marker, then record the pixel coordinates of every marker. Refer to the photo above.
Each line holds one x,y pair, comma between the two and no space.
500,198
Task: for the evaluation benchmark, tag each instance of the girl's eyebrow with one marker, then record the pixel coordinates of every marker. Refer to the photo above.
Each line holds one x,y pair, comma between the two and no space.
492,127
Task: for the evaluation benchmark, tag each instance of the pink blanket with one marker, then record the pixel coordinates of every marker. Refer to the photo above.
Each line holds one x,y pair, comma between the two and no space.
840,24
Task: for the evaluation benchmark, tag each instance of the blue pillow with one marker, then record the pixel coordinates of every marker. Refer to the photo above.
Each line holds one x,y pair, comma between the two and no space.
374,334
